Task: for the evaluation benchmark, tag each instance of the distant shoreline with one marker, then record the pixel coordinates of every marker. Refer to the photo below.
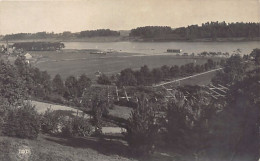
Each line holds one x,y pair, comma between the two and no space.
132,39
230,39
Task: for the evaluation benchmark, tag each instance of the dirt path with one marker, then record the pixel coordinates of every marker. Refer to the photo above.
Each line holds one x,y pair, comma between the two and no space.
192,76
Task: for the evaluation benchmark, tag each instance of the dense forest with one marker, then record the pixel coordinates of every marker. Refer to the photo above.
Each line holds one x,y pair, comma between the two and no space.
95,33
210,30
65,34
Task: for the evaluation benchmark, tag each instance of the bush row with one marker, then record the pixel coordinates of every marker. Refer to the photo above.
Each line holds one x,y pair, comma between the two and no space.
55,122
25,122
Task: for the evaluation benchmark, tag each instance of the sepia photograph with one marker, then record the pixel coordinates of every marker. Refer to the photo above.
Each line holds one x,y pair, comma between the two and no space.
129,80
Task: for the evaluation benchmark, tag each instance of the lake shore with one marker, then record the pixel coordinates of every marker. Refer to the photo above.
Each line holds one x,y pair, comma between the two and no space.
229,39
134,39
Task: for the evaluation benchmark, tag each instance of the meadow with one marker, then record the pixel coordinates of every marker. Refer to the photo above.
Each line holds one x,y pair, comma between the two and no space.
77,62
50,148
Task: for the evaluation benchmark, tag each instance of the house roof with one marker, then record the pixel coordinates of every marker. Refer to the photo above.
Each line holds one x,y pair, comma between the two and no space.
28,56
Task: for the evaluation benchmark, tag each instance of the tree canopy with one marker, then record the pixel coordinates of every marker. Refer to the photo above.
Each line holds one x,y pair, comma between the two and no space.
210,30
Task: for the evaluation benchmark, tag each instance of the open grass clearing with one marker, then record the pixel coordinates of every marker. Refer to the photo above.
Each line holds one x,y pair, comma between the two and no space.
77,62
117,111
41,107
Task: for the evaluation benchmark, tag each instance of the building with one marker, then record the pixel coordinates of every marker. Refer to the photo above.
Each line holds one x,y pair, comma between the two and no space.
28,57
174,50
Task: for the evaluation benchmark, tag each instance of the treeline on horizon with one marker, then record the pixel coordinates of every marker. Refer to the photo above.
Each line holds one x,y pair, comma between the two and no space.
210,30
38,46
64,35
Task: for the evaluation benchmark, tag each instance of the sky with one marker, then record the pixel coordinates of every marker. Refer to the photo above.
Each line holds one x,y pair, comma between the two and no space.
60,15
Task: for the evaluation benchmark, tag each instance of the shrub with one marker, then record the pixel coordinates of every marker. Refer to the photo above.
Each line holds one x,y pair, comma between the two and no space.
22,122
66,129
77,126
142,129
188,123
81,127
50,121
103,79
4,107
97,102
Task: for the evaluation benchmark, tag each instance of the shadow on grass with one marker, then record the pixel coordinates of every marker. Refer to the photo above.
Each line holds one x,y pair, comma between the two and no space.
104,145
115,120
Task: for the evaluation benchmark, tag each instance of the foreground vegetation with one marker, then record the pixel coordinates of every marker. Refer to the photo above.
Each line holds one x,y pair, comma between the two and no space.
198,127
192,124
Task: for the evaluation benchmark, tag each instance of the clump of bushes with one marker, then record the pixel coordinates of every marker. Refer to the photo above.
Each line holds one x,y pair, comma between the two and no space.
142,129
77,126
3,113
51,122
65,124
103,79
22,122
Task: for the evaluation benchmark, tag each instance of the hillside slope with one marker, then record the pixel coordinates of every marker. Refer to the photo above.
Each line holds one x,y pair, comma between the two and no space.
49,148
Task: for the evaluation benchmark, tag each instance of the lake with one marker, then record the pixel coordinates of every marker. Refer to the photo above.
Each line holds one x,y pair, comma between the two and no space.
154,48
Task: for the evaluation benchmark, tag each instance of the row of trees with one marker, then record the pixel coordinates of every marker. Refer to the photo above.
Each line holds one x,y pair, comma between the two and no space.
96,33
211,30
39,46
145,76
65,34
24,36
151,31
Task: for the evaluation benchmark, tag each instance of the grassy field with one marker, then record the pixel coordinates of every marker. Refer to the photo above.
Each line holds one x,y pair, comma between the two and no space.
117,111
50,148
41,107
77,62
200,79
